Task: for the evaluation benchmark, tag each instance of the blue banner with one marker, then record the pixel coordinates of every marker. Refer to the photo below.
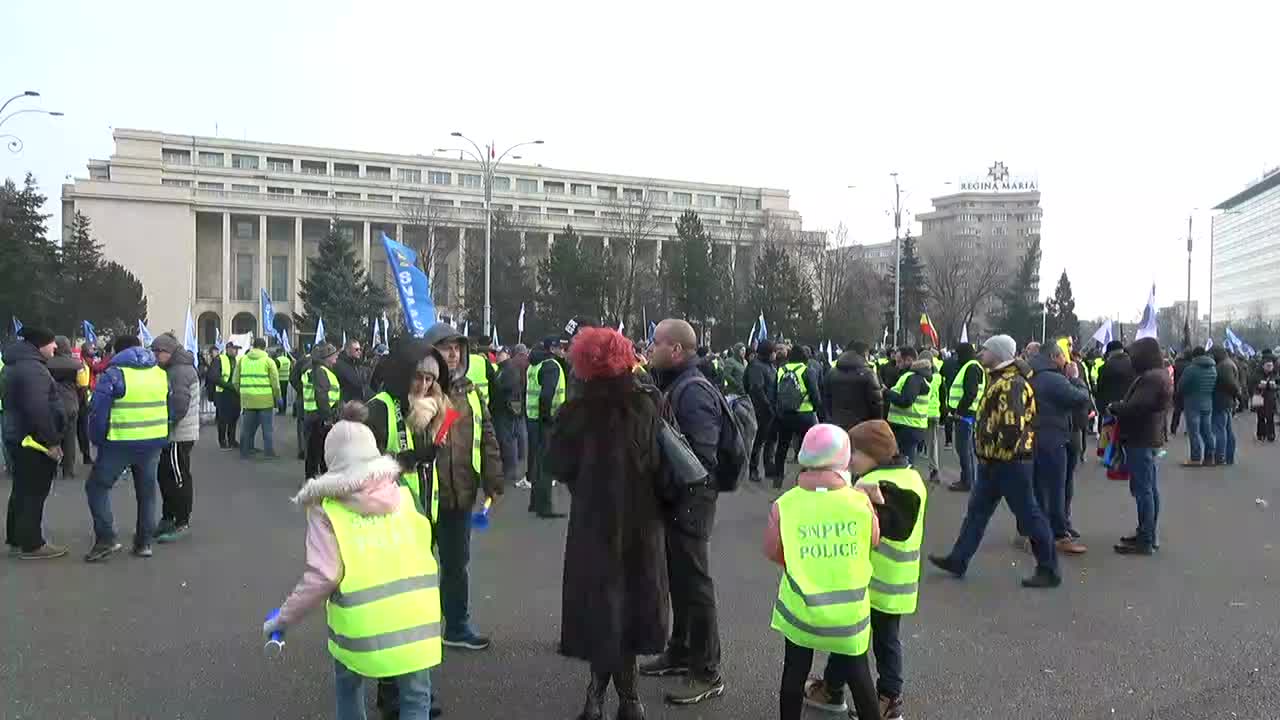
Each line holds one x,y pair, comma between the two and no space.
268,315
411,283
90,335
189,338
144,335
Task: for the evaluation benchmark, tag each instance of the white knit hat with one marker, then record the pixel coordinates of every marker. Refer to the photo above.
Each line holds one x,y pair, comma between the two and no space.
350,443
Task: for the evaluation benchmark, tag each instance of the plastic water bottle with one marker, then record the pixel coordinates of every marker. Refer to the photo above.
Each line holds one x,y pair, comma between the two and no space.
275,643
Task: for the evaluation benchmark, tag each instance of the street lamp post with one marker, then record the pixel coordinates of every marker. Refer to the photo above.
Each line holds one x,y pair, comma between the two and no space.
488,164
15,142
897,255
1186,312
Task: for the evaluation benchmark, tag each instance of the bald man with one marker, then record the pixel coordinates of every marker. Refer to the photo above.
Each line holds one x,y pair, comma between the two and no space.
694,647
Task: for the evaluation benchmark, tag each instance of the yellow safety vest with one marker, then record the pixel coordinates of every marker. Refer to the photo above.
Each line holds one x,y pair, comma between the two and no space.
895,564
143,412
957,385
309,390
478,374
409,479
227,367
935,391
1096,368
822,596
916,416
806,405
285,364
255,380
384,619
533,391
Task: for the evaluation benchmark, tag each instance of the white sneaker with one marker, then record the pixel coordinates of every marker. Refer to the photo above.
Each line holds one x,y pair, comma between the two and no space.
523,484
554,483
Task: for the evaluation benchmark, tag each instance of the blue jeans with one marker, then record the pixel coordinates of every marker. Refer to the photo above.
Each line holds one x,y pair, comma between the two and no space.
964,450
1224,437
1145,489
1200,433
513,440
250,420
1051,485
112,461
415,694
1011,482
453,540
909,440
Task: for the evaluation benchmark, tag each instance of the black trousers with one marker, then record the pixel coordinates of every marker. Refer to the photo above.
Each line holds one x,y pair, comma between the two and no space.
32,479
1267,424
540,499
69,445
886,644
176,484
854,669
948,428
695,633
765,444
1176,416
82,434
790,424
316,430
228,406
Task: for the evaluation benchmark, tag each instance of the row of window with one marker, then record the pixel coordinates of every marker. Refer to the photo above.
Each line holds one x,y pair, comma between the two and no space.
528,186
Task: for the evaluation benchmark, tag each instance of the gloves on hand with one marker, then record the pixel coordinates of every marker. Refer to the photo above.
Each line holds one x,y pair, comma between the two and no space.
409,459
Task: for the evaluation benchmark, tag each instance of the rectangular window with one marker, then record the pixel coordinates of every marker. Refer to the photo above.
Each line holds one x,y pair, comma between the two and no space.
531,210
176,157
438,177
584,213
753,204
211,186
502,207
411,200
244,162
707,201
502,184
280,165
383,198
316,193
604,192
377,172
557,211
210,159
280,278
346,170
553,188
409,176
681,199
581,190
246,188
468,204
314,167
244,276
633,194
347,195
279,190
439,202
526,186
468,181
174,182
730,203
658,196
244,230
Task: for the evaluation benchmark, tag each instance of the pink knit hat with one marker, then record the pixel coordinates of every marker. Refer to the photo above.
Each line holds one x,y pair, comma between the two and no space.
825,447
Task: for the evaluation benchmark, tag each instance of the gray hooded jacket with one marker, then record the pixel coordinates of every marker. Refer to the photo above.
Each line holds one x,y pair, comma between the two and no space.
184,397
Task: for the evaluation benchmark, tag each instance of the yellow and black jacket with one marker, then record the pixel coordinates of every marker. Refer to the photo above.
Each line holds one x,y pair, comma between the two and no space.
1006,418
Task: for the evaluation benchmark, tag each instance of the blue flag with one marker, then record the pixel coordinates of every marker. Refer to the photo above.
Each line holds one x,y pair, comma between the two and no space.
217,339
90,336
284,341
1233,342
764,330
319,331
268,315
189,338
1147,326
17,326
411,284
144,334
653,329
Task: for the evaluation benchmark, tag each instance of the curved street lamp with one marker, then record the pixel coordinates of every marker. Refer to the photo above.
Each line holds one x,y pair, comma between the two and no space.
15,142
488,165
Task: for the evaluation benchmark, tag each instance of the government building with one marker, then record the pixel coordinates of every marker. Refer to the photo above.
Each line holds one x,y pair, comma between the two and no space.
207,222
1245,280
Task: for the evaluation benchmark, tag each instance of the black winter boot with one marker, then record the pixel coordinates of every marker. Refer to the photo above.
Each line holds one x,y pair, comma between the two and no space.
594,707
629,707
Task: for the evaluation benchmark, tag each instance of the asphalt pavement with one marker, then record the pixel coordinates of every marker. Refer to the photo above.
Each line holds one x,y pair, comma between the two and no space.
1192,632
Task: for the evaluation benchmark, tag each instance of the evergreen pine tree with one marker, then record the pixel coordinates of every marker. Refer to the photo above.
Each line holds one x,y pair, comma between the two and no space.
780,291
1021,317
915,290
29,286
570,281
509,280
338,290
82,262
1062,320
696,300
117,300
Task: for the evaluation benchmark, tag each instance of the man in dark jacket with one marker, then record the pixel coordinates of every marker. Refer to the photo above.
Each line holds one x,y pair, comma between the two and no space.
1116,375
507,402
1226,396
34,423
64,368
174,472
1180,365
226,398
1142,427
694,648
1059,394
805,411
852,392
908,401
950,367
760,381
962,399
1193,394
318,414
352,375
546,387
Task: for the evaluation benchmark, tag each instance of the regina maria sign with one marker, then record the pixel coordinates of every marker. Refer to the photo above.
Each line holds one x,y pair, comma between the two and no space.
998,179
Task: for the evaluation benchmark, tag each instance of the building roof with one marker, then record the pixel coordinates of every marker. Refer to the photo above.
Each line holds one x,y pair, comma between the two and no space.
1268,181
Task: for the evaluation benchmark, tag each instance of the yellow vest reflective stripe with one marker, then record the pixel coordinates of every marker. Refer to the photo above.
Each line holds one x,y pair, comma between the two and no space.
822,596
478,374
477,430
309,390
409,479
143,412
533,391
935,391
957,385
806,405
285,365
916,416
895,565
384,619
227,367
1096,368
255,380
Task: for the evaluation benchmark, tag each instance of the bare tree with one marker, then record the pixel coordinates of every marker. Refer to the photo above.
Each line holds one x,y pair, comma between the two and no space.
434,242
629,222
960,283
846,289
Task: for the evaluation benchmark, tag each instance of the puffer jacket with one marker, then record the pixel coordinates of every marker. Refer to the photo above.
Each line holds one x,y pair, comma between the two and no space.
111,387
1227,392
918,384
1114,378
1143,412
32,402
1195,386
184,397
733,373
852,392
1005,423
459,483
1057,399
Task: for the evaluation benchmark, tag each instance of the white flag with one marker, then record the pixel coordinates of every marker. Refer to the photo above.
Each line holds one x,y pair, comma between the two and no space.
1103,336
828,352
319,331
520,321
284,341
621,327
1208,345
964,333
495,342
466,329
189,338
144,334
1147,327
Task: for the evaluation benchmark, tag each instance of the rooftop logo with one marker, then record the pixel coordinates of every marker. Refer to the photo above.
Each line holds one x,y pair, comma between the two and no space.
998,179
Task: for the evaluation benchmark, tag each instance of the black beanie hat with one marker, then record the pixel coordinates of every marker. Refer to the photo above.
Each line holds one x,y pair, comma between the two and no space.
36,335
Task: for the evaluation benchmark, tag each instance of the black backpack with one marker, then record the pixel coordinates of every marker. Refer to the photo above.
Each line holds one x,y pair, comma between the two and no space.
732,450
790,394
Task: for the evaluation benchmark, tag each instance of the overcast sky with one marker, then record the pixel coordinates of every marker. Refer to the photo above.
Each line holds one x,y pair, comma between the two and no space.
1131,114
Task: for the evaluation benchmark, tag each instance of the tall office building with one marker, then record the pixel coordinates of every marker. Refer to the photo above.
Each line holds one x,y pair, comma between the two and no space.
207,222
1246,253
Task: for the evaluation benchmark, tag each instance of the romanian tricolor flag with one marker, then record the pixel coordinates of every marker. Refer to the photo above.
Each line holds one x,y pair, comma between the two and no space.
926,330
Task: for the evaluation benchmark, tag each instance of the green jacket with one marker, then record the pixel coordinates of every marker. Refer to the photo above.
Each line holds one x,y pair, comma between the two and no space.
732,375
253,402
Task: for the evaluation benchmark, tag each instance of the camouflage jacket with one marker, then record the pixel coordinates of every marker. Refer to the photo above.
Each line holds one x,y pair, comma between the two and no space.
1004,426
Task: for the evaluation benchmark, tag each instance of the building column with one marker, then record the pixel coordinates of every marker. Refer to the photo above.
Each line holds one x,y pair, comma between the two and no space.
461,293
263,260
299,263
604,243
523,246
223,318
733,257
551,242
365,246
657,255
